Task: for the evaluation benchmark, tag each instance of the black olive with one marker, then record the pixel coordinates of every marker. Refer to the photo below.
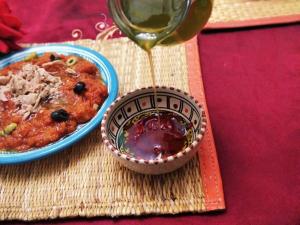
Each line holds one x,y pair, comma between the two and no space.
79,87
60,115
54,57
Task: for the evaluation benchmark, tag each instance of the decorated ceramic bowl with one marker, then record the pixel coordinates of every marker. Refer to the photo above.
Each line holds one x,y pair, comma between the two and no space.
109,77
140,102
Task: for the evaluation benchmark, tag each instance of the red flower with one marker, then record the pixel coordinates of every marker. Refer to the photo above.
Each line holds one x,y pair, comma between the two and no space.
9,29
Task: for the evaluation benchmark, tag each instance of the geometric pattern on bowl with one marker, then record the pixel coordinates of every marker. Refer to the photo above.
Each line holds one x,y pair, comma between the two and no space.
143,100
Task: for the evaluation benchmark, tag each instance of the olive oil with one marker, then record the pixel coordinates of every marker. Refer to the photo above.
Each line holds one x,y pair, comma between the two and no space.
147,22
166,22
197,17
152,136
150,59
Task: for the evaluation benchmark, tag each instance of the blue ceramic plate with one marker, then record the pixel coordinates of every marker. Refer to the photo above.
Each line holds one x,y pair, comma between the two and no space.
109,77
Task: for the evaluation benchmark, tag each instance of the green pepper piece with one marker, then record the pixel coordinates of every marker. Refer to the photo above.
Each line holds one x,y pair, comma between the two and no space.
10,128
31,56
71,61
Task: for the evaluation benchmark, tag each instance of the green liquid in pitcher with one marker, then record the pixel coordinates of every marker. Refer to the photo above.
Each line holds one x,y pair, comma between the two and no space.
195,20
149,19
147,22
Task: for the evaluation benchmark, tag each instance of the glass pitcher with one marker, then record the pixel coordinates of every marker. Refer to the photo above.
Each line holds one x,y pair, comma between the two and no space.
166,22
196,18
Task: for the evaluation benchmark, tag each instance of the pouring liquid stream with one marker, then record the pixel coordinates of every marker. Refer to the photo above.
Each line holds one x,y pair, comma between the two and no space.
150,58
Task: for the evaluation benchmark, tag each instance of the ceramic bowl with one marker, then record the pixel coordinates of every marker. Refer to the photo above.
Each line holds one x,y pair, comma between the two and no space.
141,101
109,77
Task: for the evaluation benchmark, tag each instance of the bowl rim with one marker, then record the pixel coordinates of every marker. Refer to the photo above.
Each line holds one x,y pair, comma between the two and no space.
178,155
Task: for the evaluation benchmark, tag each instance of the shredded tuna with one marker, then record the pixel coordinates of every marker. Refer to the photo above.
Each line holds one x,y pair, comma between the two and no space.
71,71
4,80
29,87
53,62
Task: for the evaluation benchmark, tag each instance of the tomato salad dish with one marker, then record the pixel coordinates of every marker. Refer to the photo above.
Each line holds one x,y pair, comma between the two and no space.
44,98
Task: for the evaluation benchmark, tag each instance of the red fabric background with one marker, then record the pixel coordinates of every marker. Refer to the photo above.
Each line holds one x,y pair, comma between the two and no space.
252,82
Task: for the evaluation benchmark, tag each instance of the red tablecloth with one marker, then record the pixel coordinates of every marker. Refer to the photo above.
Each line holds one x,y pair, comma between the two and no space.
252,82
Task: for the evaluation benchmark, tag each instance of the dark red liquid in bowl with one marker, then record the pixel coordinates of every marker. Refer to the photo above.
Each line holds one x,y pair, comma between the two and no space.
152,137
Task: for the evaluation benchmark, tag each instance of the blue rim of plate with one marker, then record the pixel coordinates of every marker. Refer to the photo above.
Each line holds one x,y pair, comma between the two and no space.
109,76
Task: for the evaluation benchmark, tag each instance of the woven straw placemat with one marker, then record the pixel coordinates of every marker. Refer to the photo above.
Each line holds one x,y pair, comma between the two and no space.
86,181
240,13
